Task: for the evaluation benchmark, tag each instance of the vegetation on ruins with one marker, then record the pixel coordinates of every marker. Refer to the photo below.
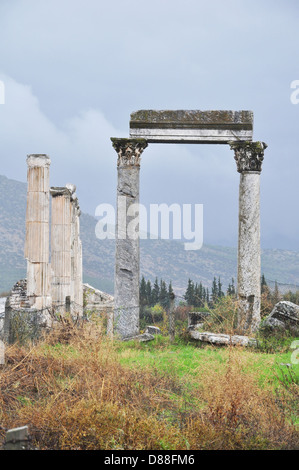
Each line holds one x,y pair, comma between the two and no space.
78,389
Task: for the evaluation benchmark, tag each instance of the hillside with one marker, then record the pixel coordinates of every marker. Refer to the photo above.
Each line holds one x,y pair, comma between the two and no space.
165,259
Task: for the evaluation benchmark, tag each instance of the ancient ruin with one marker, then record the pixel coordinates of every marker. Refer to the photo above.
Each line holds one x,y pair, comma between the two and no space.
202,127
66,251
37,231
54,286
127,261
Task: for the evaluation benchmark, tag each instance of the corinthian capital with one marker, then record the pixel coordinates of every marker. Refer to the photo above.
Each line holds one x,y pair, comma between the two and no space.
128,151
248,155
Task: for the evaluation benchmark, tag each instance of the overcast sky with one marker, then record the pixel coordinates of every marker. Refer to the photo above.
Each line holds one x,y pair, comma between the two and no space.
74,70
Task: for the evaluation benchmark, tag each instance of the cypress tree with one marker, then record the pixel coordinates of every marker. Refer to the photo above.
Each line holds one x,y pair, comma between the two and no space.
189,294
149,293
163,295
155,292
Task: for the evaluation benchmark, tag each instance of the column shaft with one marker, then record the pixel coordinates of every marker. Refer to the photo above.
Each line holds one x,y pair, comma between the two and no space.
249,157
127,256
249,256
76,256
61,247
37,231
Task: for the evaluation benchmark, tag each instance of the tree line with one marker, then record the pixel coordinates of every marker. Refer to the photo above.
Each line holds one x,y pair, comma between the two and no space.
158,293
197,295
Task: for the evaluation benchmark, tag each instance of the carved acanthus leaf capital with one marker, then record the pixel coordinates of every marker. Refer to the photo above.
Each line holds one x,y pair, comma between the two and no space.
249,155
129,151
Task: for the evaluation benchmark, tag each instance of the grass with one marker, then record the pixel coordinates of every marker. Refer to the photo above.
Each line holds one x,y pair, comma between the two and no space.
76,389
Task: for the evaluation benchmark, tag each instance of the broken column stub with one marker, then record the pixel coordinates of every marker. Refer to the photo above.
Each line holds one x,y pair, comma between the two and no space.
191,126
127,257
249,157
37,231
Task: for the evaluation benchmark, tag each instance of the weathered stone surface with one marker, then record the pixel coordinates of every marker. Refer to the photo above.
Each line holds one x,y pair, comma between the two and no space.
249,257
76,253
17,439
222,339
153,330
127,256
61,247
129,151
21,320
2,314
285,315
96,300
249,155
37,231
141,338
196,126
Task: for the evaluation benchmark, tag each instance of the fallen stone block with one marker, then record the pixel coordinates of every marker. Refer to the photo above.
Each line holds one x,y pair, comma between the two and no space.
222,339
153,330
285,316
141,338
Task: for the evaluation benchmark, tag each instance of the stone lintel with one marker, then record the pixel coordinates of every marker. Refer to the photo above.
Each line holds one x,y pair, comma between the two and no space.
191,126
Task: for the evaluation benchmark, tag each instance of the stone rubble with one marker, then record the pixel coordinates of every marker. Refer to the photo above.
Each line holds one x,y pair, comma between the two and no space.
285,315
222,339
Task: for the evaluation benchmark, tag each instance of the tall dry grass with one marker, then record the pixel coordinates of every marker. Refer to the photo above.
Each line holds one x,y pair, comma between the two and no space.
73,393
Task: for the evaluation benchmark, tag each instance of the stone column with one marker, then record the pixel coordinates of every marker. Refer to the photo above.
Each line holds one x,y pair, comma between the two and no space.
249,157
37,231
127,256
76,255
61,230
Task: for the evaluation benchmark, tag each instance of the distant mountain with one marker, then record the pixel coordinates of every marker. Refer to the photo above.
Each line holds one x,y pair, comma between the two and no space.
165,259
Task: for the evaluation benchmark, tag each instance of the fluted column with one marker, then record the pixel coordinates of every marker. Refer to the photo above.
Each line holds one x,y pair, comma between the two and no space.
127,256
37,231
61,247
249,157
76,255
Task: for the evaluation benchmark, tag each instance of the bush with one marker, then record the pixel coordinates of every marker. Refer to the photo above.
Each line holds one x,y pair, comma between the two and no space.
223,317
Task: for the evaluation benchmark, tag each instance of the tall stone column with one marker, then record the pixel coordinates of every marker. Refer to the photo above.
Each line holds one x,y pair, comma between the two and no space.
249,157
37,231
76,255
61,232
127,256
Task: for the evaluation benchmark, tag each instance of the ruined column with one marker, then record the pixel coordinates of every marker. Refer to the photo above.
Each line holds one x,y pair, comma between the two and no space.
127,256
37,231
76,255
61,232
249,157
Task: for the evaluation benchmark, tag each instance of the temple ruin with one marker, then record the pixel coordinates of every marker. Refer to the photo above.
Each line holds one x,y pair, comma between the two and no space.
234,128
52,285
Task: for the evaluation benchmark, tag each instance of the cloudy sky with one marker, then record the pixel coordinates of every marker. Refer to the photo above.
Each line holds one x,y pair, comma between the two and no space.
74,70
